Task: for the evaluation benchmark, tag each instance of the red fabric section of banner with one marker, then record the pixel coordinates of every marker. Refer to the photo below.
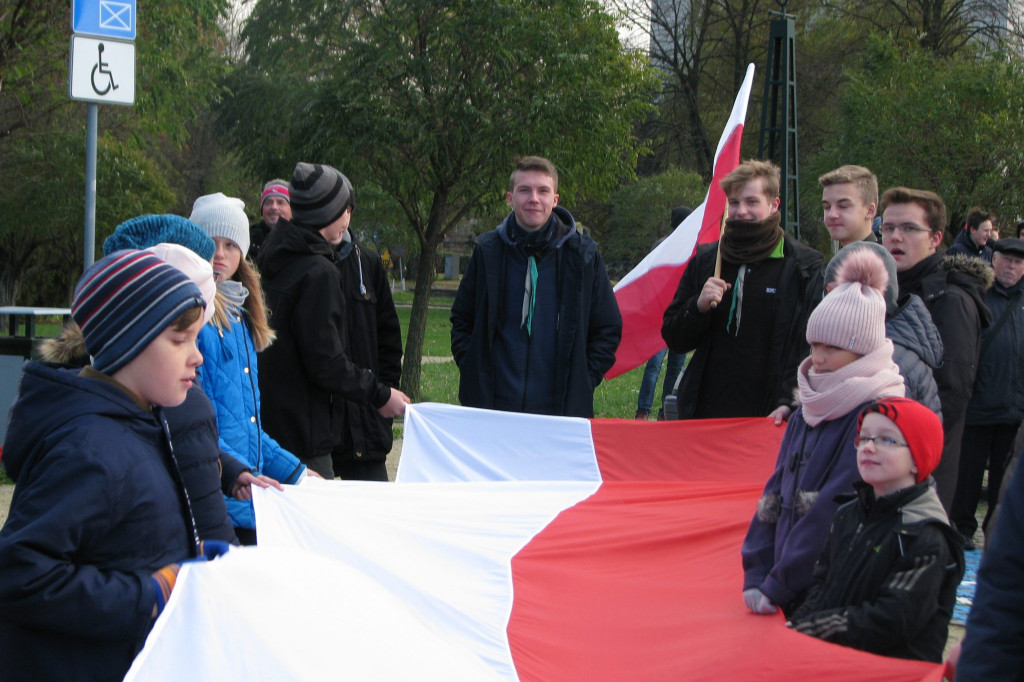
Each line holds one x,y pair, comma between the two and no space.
643,580
720,450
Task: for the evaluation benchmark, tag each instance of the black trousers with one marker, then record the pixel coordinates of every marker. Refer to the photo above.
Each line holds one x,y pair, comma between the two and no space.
986,445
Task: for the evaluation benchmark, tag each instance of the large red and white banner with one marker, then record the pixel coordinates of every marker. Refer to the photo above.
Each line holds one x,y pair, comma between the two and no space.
645,293
514,547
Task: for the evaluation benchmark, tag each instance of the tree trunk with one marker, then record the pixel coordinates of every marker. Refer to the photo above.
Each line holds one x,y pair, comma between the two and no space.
426,272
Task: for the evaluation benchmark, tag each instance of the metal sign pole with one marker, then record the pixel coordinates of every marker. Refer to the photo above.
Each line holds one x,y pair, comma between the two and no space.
90,186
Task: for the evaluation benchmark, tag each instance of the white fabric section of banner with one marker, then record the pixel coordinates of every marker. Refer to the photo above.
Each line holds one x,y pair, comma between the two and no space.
452,443
678,246
359,580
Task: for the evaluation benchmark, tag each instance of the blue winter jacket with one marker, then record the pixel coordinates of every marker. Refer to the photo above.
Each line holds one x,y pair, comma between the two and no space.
97,509
788,532
229,377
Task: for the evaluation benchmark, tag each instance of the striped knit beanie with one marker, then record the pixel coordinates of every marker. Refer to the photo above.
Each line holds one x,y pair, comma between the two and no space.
319,195
124,301
275,188
150,230
852,316
920,427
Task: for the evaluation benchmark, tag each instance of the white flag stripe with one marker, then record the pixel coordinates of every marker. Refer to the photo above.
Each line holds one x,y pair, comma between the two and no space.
451,443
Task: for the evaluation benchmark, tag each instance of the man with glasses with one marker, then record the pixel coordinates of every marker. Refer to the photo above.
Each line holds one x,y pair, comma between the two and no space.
953,290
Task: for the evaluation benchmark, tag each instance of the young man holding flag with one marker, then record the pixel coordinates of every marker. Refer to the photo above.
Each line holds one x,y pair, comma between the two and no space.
745,318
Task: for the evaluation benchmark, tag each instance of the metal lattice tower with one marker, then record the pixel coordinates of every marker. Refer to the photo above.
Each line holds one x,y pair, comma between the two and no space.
778,141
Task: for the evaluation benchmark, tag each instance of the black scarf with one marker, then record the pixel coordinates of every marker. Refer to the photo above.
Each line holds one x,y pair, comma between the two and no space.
750,241
910,280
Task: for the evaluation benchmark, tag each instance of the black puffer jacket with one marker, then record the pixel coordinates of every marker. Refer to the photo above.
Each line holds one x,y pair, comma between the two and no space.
886,581
309,364
953,289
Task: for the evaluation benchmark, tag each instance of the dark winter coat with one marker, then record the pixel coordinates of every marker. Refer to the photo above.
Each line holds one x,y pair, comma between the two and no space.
586,335
306,370
993,647
258,233
953,289
815,464
963,244
886,582
97,509
207,471
229,375
998,396
374,343
685,328
917,351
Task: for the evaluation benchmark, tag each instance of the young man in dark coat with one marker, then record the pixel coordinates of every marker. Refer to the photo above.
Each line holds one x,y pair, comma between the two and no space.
975,239
747,327
953,289
308,373
535,324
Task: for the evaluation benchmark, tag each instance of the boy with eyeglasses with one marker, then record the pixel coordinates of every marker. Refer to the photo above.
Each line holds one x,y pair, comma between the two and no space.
886,582
953,290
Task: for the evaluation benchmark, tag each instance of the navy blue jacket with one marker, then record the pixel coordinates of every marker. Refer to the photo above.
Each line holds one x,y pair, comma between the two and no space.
97,509
587,329
993,647
965,245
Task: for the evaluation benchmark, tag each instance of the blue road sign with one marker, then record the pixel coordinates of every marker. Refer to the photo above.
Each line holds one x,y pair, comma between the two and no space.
104,18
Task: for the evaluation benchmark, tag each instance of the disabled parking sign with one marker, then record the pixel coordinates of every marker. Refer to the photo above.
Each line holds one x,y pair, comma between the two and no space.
104,18
102,70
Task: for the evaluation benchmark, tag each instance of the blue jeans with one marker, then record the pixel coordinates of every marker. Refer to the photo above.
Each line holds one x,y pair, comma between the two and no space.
645,401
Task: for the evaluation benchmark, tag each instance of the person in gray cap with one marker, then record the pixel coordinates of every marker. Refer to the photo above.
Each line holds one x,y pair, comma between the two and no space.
996,407
275,203
308,376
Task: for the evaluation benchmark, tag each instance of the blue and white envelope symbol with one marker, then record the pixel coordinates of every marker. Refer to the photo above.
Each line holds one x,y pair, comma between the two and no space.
115,15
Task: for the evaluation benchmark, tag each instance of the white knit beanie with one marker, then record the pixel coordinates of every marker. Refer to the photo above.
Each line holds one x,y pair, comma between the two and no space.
852,316
194,267
222,216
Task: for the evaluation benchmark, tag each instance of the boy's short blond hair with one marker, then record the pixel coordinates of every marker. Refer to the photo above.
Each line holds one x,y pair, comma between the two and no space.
752,169
864,179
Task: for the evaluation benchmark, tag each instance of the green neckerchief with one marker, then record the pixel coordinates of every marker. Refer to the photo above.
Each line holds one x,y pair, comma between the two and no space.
736,309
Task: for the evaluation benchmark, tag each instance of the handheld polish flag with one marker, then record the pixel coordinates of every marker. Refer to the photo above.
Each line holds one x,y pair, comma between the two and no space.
645,293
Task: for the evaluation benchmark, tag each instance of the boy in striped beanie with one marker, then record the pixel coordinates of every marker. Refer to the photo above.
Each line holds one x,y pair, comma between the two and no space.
99,507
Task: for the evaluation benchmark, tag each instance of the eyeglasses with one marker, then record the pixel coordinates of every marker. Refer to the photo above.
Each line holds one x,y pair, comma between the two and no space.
903,228
879,441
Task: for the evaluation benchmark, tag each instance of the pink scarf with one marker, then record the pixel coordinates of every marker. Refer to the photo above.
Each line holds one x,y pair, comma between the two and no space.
831,395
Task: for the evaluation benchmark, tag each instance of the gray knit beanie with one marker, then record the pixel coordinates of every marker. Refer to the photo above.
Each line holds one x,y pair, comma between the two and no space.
222,216
319,195
852,316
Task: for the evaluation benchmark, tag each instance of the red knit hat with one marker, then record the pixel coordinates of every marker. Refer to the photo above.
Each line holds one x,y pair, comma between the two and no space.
920,427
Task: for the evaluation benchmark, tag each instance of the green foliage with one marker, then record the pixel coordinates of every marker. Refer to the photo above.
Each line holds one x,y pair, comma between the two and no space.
431,100
950,125
641,216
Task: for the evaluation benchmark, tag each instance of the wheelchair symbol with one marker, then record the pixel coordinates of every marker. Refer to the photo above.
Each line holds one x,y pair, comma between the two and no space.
101,67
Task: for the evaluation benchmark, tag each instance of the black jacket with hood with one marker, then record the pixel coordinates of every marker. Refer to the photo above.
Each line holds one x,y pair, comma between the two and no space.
308,370
953,289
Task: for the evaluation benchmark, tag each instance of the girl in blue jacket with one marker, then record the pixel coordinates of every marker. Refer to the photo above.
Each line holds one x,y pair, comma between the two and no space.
229,343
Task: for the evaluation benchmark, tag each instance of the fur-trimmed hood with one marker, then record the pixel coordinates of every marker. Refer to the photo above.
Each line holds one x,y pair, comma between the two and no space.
67,349
974,276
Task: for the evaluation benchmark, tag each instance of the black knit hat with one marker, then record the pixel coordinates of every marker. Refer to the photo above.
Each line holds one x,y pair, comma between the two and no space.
319,195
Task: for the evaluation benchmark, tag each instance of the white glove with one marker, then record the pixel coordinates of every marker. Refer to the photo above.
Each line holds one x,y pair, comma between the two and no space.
757,602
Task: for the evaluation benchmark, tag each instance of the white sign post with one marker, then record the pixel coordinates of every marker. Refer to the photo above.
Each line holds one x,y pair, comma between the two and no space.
102,71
